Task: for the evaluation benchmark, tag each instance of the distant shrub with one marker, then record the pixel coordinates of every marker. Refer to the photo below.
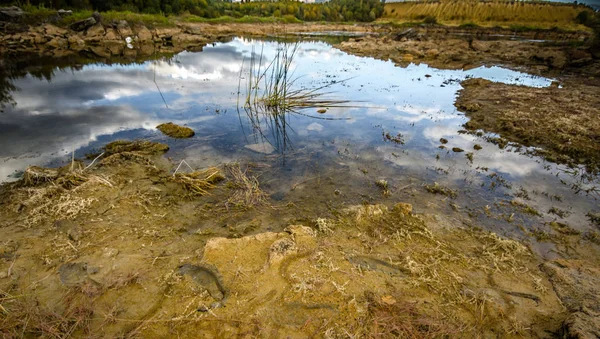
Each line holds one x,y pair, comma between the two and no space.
583,17
469,25
430,20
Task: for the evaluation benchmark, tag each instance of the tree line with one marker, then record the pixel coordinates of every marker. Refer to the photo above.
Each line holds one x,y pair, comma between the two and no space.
334,10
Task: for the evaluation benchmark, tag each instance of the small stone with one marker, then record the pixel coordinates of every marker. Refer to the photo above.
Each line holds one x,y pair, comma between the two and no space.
443,140
3,275
477,147
457,149
264,148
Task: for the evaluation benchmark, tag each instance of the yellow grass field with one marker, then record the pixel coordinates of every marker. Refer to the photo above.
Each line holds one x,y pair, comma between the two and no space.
496,13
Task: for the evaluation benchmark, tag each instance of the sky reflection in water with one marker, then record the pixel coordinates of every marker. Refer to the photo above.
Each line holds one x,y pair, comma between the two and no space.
83,109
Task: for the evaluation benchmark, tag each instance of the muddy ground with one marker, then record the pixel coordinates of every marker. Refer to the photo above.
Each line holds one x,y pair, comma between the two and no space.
561,120
126,248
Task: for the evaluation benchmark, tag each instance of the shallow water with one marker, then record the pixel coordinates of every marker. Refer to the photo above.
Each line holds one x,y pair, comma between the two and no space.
336,155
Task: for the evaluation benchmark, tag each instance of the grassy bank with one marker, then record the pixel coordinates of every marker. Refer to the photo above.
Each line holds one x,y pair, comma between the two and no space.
504,14
41,14
522,16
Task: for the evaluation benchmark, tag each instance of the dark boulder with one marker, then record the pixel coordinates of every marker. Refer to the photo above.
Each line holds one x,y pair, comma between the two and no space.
82,25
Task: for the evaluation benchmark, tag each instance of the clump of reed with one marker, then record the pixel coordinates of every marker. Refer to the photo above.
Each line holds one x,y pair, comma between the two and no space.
198,183
272,89
271,94
246,189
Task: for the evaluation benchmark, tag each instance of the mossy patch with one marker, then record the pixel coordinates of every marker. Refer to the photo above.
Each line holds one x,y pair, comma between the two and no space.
175,131
138,146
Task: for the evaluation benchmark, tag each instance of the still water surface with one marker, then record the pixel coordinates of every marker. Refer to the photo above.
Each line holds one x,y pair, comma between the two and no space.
81,108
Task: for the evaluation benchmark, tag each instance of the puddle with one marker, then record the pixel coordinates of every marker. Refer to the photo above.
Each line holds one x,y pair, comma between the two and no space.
339,154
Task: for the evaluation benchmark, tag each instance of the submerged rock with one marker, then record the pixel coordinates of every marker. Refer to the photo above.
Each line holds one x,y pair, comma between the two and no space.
264,148
175,131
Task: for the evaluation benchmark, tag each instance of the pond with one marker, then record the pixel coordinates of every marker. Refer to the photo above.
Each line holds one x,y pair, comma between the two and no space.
389,128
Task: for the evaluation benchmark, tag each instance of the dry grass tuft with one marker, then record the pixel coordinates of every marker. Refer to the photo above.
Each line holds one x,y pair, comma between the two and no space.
35,176
45,194
199,182
389,318
246,189
25,317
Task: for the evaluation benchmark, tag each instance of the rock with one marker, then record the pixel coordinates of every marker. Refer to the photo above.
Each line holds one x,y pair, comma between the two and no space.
12,13
555,59
39,39
124,29
143,33
406,34
407,57
82,25
64,13
480,46
75,41
432,53
443,140
58,43
95,33
54,31
580,57
457,149
3,275
111,35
